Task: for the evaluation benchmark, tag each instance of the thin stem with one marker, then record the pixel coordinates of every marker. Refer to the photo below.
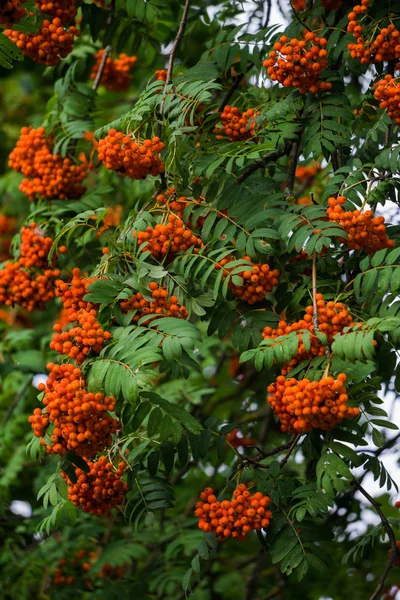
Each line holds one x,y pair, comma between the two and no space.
177,41
102,66
389,531
294,156
262,162
292,447
17,398
314,291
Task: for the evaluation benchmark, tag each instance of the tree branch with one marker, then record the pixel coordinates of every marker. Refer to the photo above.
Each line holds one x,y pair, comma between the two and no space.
18,396
102,66
292,447
263,162
389,531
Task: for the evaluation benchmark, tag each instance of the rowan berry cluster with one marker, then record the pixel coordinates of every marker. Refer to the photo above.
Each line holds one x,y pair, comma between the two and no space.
111,219
69,570
306,173
161,75
363,229
239,126
116,75
78,567
332,318
72,293
11,12
387,91
258,280
29,281
304,404
84,339
99,490
233,518
161,304
47,175
49,45
65,10
386,45
299,63
79,418
7,230
167,240
234,440
130,157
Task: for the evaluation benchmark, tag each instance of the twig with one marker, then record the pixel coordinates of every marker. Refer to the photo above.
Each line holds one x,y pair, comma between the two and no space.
294,156
102,66
176,43
16,400
298,18
292,447
314,299
389,531
268,15
262,162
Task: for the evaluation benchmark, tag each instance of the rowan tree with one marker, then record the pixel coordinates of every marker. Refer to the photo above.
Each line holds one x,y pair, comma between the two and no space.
199,321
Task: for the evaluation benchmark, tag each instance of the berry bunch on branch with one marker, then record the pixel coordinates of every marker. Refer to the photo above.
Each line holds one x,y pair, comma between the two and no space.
258,280
100,489
29,281
364,231
116,75
161,304
304,404
239,126
169,239
130,157
383,43
11,12
46,175
234,518
78,419
387,91
299,63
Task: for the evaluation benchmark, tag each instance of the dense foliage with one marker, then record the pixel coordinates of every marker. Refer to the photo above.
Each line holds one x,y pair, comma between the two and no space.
199,278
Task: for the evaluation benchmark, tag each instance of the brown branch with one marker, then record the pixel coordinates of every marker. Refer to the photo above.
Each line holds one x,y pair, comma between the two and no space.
263,162
389,531
176,43
294,156
314,292
102,66
268,15
292,447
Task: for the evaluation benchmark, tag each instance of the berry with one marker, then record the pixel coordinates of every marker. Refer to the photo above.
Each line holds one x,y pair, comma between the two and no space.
239,126
84,339
384,47
129,157
29,281
387,91
11,12
47,175
332,4
333,317
65,10
258,280
233,518
236,442
79,418
363,229
306,173
302,405
162,304
168,240
299,63
49,45
116,76
100,490
161,75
